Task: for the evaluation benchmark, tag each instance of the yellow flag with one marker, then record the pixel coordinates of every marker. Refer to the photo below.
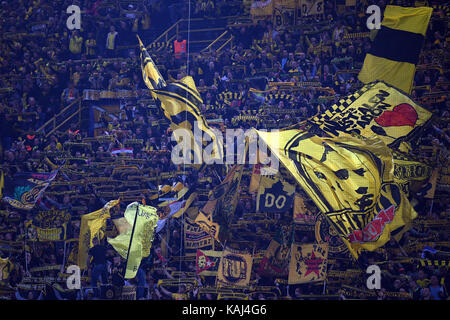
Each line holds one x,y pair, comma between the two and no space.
396,48
274,195
185,205
92,225
432,184
122,225
302,214
150,73
256,178
181,103
136,242
222,204
308,263
375,109
206,223
6,266
235,268
350,180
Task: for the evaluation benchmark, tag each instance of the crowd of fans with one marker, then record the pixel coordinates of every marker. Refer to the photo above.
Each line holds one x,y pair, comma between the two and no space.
45,67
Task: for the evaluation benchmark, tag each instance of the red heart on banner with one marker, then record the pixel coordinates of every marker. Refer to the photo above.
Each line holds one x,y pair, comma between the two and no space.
30,137
402,115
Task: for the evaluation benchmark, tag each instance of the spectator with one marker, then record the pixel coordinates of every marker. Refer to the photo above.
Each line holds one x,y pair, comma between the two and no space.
111,42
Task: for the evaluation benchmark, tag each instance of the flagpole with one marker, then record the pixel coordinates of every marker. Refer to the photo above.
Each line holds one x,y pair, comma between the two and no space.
131,239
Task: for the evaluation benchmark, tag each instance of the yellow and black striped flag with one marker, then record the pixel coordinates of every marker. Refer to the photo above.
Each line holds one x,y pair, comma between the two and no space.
150,73
350,180
396,48
181,103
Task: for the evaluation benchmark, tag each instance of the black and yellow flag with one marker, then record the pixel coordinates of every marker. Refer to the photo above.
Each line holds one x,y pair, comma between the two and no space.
396,48
150,73
350,180
276,258
6,266
195,237
210,227
235,268
92,225
409,169
24,189
375,109
274,195
301,213
207,262
308,263
136,240
181,103
222,203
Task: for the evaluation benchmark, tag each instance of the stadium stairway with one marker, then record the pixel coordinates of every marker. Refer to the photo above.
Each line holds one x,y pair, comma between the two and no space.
204,34
201,32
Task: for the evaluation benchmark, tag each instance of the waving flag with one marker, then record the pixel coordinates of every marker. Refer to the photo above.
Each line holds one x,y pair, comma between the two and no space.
207,262
350,180
235,268
375,109
150,73
92,225
308,263
218,212
396,48
135,243
26,188
181,103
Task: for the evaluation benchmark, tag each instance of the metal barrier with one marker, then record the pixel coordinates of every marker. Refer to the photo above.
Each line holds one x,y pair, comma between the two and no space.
68,113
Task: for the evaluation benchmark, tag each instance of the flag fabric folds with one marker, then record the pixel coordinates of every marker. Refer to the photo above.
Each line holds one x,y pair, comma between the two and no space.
26,188
207,262
277,256
92,225
308,263
150,73
6,266
235,268
301,214
274,195
396,48
195,237
136,242
375,109
181,103
206,223
223,201
350,180
255,179
409,169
